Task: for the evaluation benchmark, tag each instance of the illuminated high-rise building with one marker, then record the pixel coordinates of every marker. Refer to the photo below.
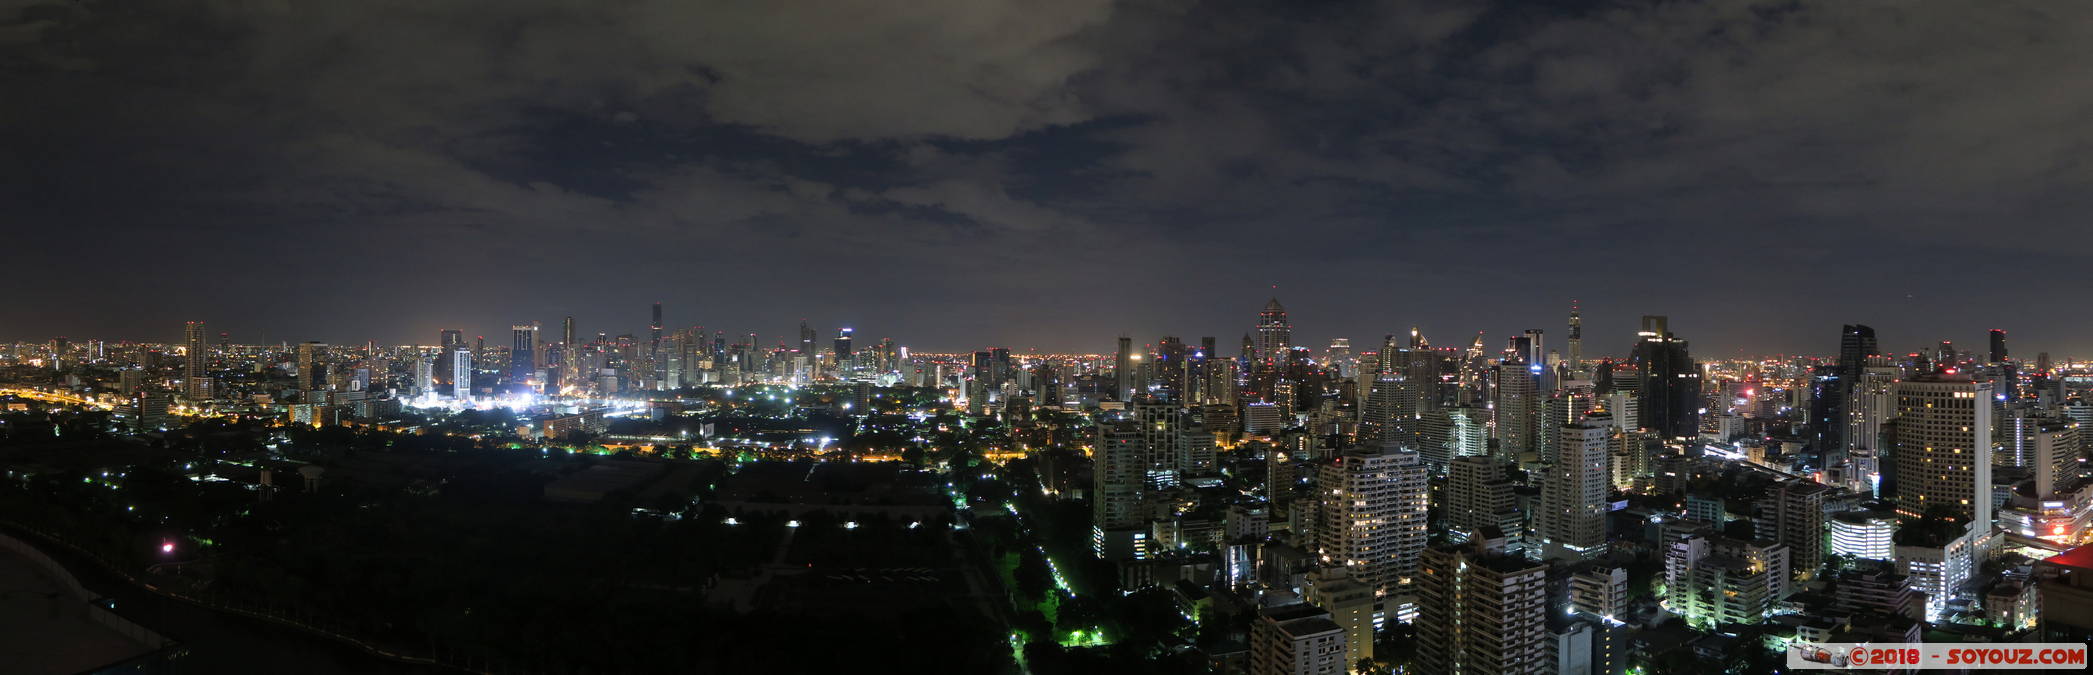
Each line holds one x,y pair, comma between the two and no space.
460,361
195,384
843,352
570,354
1998,346
1370,519
1275,334
523,356
312,366
1482,612
1515,408
1943,443
1119,490
1575,341
1573,498
657,367
1479,499
448,341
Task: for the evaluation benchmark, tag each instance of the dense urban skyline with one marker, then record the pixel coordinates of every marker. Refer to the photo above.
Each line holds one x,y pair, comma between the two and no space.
1048,175
1606,335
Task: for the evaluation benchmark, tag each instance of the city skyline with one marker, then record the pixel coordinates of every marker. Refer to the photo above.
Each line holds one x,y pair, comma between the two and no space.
1609,330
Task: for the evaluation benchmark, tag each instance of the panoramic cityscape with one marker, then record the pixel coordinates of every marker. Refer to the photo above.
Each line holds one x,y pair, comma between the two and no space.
664,497
1084,337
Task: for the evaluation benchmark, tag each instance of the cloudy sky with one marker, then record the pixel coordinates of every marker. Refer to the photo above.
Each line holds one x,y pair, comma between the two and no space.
960,173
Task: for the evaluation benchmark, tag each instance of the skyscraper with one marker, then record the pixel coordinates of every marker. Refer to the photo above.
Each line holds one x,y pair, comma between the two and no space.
656,366
1831,408
1480,499
1371,517
195,385
312,366
1275,334
1575,341
1792,513
1119,479
1573,498
1482,612
1670,398
460,361
1943,449
522,357
1123,371
570,355
1516,388
1998,346
449,341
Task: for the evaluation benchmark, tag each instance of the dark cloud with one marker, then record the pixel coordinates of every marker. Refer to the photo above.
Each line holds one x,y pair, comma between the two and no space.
959,172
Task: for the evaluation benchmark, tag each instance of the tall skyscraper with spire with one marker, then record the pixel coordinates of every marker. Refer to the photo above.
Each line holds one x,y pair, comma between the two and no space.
195,385
1275,334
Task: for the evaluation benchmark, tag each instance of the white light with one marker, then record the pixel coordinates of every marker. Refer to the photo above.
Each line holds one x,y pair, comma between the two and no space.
792,523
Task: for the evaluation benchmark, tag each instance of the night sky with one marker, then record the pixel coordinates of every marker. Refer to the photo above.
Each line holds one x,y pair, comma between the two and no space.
961,173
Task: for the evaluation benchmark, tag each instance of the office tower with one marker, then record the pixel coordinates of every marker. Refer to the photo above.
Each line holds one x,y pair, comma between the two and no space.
1453,432
1871,402
1943,448
843,352
1123,371
1351,606
1159,420
1575,340
1516,388
1670,394
570,356
1792,513
1297,639
522,357
1998,346
312,366
448,341
1119,480
1275,334
424,374
1371,513
1170,367
1377,414
195,385
1482,612
1480,502
1711,580
1833,387
461,372
1573,498
2046,446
